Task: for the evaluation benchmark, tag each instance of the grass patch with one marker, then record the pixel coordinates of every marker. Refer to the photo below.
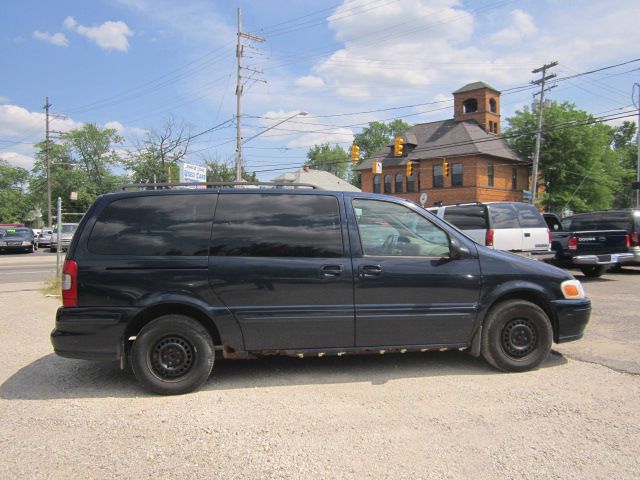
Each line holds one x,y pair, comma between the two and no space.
52,286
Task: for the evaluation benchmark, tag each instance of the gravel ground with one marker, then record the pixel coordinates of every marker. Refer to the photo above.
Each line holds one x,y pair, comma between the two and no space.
441,415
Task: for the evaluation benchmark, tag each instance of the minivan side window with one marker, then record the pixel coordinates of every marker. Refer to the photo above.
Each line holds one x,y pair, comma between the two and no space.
272,225
389,229
530,217
467,217
503,215
175,225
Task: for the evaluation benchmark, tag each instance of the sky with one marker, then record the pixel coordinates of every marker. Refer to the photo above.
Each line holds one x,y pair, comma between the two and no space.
133,64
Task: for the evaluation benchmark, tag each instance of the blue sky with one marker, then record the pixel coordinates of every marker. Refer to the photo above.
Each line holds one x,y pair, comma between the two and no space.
129,64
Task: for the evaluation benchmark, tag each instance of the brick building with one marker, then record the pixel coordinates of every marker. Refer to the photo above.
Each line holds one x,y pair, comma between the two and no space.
482,167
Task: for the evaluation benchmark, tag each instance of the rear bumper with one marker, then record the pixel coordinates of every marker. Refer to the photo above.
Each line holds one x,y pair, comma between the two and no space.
538,255
573,316
608,259
91,333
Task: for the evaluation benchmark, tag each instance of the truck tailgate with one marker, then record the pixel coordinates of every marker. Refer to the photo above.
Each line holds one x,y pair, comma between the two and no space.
600,242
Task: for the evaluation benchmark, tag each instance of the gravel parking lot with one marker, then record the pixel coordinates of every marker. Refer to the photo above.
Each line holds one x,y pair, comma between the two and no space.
440,415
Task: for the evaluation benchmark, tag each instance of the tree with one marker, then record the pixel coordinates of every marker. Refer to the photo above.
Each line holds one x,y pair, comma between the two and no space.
15,204
220,171
334,160
378,135
626,150
579,168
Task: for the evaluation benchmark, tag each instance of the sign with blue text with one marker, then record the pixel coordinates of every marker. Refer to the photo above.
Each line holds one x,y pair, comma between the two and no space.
193,174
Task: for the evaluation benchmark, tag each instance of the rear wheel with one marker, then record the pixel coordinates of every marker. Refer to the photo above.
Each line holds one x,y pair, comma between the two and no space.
172,354
516,336
593,271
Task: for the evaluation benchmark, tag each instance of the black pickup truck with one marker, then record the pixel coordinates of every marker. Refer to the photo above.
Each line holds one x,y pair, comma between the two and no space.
581,244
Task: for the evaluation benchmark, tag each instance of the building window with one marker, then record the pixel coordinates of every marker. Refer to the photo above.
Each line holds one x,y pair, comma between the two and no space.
514,178
470,105
456,175
490,176
492,105
376,184
411,183
490,126
388,180
495,127
438,180
399,182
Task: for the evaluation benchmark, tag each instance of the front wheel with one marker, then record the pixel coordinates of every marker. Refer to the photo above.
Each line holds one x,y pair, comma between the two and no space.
516,336
172,354
593,271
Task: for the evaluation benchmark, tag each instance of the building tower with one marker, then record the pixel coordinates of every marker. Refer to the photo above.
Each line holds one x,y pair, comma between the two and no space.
480,102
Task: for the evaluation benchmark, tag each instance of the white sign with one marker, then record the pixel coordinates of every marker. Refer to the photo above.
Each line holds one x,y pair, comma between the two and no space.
193,174
423,198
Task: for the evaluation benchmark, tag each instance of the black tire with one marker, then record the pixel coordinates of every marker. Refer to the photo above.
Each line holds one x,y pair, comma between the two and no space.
593,271
52,249
172,354
516,336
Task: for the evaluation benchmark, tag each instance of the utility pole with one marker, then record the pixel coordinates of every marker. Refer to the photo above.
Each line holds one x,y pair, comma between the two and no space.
637,104
536,158
48,158
239,90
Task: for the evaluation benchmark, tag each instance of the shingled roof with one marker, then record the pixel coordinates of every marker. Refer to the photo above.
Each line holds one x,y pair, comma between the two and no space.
470,87
446,138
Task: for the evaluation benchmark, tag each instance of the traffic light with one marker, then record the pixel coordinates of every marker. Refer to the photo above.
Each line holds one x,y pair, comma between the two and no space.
445,168
355,153
409,168
398,146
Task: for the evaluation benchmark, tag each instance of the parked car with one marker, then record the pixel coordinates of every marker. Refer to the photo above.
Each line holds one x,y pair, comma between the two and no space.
512,226
66,234
157,281
44,239
17,239
578,242
626,219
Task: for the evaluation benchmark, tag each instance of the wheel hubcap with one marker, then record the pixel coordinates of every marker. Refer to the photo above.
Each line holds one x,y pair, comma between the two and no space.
172,357
519,337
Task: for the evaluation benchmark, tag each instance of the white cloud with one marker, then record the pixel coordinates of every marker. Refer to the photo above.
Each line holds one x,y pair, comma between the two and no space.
125,131
310,82
58,39
305,130
108,36
522,26
18,159
17,121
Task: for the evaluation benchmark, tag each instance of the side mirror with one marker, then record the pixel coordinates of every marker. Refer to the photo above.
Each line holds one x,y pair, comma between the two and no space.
458,251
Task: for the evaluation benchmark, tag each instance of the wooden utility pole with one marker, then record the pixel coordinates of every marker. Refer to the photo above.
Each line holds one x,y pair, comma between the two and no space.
536,157
48,158
240,88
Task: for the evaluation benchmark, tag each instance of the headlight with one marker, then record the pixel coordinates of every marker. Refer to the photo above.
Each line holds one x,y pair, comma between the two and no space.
26,243
572,289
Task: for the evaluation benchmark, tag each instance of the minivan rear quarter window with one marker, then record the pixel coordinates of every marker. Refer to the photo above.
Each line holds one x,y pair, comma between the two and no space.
530,217
172,225
271,225
503,215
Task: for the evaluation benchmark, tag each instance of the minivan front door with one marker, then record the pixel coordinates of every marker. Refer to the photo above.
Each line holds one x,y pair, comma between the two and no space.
278,262
407,288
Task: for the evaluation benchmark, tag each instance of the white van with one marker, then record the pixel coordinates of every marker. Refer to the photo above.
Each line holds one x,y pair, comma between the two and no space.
513,226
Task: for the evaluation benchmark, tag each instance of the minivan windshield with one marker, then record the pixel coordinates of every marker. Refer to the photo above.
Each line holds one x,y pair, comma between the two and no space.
68,228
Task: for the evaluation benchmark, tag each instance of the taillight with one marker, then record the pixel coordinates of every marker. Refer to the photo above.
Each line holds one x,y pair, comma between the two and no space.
70,284
549,235
488,239
572,244
628,238
634,239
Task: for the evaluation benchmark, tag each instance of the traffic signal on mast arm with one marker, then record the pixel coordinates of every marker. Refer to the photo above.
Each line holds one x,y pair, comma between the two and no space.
398,146
409,168
445,168
355,153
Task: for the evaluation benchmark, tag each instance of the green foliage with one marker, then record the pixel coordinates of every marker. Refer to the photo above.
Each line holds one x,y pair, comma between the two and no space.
218,171
579,167
15,204
378,135
626,150
334,160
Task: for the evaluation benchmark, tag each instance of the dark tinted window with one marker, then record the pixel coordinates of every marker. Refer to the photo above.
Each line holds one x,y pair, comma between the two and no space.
456,175
411,183
154,226
552,222
514,178
503,215
18,233
438,180
264,225
586,222
490,174
388,180
376,184
467,217
399,182
529,216
616,221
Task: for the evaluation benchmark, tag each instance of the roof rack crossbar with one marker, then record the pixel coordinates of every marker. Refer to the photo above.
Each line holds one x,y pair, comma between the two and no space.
166,185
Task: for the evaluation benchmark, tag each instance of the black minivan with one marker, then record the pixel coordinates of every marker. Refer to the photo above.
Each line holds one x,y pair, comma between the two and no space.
168,281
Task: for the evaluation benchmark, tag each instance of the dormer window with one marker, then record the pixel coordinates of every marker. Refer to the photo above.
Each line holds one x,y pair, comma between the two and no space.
470,105
492,105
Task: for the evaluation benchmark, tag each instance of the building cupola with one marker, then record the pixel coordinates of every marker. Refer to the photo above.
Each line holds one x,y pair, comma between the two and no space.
480,102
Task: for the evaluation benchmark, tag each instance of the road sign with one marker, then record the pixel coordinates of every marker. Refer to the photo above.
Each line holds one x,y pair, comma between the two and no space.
423,198
193,174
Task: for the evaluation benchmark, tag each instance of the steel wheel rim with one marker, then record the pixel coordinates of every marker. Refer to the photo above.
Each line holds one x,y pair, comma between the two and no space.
172,357
519,337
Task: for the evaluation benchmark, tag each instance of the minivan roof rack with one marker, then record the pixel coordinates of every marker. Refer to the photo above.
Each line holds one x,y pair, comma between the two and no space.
169,186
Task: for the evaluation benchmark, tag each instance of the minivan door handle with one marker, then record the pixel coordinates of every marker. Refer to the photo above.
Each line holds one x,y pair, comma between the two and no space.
330,271
368,271
527,234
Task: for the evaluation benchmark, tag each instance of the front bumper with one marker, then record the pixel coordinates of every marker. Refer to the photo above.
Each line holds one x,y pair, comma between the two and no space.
608,259
16,248
91,333
572,316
